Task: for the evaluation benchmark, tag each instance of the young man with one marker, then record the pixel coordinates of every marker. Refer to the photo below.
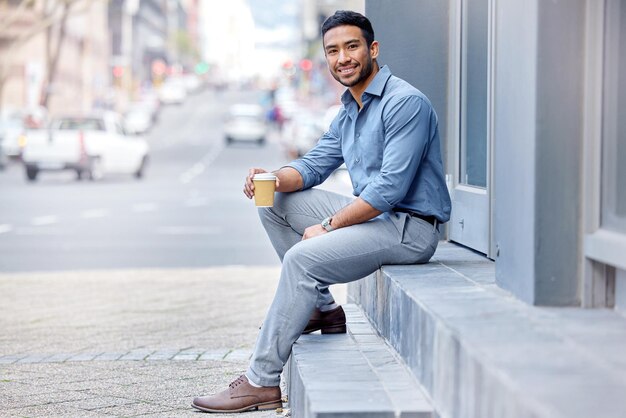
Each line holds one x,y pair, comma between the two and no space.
387,135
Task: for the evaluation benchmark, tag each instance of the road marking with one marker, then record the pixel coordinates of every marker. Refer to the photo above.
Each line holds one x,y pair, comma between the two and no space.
44,220
5,228
145,207
199,167
94,213
187,230
192,173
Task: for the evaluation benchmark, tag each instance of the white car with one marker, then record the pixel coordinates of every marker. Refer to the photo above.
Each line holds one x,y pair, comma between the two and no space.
92,145
138,118
301,132
246,122
172,91
192,82
12,130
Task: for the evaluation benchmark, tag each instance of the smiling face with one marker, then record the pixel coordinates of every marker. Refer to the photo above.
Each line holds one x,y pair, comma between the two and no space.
349,59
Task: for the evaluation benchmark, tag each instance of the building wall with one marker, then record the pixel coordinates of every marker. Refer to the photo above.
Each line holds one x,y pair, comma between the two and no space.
559,136
515,145
82,71
537,137
24,64
413,37
21,91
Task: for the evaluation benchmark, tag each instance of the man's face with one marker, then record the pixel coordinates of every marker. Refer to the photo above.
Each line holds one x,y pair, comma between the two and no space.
348,57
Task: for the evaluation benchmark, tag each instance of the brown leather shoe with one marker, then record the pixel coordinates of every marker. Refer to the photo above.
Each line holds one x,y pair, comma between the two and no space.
240,396
330,322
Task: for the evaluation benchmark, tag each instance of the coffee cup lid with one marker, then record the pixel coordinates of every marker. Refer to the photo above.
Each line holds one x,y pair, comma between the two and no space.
264,176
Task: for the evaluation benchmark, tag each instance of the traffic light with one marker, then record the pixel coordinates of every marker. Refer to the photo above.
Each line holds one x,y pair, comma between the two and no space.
306,65
118,74
201,68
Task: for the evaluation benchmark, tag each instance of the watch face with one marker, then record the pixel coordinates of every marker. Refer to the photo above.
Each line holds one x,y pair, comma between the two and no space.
326,224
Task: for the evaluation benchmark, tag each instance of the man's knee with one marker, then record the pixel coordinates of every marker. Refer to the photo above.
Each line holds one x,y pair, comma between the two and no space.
265,212
273,210
296,257
283,201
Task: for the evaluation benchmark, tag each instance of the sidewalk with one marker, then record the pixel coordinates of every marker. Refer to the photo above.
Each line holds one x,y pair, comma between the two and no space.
127,343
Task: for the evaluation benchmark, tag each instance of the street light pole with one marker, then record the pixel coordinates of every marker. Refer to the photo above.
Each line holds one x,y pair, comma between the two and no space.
128,12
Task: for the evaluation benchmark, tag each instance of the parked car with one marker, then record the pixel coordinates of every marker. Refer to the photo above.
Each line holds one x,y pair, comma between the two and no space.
246,122
192,82
138,118
304,129
3,158
12,131
150,99
172,91
301,132
92,145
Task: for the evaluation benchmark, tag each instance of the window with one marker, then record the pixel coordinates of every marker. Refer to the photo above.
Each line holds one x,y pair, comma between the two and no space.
474,90
613,212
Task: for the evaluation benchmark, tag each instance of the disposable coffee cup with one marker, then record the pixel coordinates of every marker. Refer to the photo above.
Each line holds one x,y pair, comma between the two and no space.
264,187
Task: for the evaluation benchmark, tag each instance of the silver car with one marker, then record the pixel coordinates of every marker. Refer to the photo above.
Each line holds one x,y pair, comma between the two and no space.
246,122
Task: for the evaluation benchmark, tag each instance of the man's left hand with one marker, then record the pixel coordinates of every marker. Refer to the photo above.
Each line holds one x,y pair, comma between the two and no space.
314,231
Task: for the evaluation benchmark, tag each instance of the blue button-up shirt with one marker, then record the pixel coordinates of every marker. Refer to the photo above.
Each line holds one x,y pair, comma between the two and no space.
391,149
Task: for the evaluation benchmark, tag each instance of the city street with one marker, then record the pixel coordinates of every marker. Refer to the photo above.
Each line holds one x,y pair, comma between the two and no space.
126,297
188,211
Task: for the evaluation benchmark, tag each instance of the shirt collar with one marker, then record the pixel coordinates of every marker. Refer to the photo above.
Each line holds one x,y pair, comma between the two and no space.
375,87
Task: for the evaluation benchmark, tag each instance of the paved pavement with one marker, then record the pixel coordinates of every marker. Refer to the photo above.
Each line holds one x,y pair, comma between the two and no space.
127,342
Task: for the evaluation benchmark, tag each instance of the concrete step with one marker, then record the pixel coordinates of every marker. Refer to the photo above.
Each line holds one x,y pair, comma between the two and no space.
351,375
479,352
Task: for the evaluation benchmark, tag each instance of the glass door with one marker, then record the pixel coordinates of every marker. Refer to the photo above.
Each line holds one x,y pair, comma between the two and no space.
470,224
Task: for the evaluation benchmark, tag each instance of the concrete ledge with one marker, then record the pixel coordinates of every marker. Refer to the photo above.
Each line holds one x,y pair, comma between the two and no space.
351,375
479,352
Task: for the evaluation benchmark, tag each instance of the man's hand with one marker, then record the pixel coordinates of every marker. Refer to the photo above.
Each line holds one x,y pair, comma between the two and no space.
313,231
248,187
287,180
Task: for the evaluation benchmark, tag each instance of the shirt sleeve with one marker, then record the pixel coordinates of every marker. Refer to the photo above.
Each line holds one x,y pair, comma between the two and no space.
407,125
319,163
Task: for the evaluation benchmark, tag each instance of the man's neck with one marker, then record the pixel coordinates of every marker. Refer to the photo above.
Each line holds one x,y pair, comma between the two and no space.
357,91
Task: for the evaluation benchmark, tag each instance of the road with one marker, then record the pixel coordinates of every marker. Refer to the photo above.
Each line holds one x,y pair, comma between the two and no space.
189,210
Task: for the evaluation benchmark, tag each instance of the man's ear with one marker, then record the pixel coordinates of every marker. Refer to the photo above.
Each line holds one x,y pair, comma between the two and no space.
374,49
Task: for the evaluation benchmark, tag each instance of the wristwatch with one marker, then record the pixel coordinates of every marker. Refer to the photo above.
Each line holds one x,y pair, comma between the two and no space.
326,224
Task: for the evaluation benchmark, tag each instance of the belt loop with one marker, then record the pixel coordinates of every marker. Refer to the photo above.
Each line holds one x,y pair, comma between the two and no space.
436,224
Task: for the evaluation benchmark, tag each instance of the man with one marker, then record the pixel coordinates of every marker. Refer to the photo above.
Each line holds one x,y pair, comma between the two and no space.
387,135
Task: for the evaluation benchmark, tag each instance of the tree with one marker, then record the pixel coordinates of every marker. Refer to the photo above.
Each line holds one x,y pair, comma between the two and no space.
49,16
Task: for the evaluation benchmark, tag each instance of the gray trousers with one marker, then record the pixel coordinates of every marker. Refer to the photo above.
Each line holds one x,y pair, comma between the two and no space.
310,266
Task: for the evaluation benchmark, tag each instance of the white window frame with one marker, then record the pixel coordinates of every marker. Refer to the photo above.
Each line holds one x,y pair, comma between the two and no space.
602,250
455,123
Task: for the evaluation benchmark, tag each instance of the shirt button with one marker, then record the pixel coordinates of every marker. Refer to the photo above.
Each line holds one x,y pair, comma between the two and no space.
356,160
358,135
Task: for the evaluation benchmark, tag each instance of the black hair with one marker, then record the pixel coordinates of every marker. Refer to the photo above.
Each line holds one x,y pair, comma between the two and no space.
347,17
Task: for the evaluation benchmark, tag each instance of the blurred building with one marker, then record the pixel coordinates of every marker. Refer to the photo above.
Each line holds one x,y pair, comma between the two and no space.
192,9
138,37
107,50
28,47
318,82
314,12
147,38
